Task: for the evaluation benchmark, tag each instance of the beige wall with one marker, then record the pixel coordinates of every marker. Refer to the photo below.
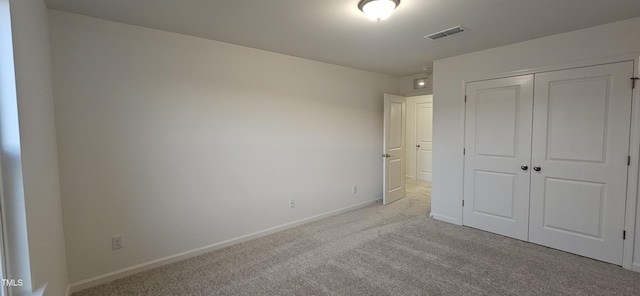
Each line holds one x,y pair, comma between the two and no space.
181,143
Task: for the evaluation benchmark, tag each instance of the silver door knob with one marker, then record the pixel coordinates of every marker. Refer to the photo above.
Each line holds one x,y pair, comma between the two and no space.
537,168
524,167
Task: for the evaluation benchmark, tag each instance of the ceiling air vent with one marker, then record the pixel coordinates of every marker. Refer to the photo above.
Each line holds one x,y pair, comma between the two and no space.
445,33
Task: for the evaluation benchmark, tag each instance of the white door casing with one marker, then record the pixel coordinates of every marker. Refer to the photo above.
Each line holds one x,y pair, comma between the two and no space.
581,143
393,148
497,156
424,140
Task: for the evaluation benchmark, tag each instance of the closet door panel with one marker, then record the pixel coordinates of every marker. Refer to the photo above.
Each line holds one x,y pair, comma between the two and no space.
581,124
498,144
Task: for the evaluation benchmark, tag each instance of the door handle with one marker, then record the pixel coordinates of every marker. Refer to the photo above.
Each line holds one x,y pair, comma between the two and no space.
418,146
524,167
386,155
537,168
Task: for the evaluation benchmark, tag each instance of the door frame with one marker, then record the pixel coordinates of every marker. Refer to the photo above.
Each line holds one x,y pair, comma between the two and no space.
634,144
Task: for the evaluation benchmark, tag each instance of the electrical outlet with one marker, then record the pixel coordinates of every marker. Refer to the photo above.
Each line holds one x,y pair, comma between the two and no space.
354,189
116,242
292,203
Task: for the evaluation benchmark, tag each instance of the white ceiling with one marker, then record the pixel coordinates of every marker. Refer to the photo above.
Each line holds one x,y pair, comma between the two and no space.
335,31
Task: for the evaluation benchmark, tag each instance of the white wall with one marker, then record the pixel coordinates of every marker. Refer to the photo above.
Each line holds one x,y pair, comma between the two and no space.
592,43
179,143
44,267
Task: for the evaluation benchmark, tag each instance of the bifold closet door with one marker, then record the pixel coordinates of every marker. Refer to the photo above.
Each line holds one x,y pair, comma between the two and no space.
498,150
581,125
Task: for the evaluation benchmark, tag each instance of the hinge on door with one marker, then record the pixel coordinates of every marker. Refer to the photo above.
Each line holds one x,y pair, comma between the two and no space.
633,82
628,160
463,202
465,97
464,151
624,234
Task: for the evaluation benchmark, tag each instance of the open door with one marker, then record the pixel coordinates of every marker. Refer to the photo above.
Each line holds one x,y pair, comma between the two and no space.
393,148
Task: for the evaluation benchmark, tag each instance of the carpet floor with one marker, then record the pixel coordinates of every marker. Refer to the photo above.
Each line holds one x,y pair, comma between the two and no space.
381,250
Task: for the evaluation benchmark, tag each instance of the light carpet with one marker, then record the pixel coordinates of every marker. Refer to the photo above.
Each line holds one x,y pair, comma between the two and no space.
381,250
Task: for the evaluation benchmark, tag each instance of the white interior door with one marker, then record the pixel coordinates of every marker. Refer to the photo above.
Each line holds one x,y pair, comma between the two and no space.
424,141
497,156
580,148
393,148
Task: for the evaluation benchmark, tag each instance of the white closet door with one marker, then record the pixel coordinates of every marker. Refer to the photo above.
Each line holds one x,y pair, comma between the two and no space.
498,149
580,145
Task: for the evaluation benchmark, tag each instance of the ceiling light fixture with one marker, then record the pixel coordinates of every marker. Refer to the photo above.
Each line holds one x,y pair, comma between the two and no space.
377,10
421,83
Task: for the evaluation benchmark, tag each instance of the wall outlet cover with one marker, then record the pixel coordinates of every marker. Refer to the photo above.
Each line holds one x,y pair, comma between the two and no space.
116,242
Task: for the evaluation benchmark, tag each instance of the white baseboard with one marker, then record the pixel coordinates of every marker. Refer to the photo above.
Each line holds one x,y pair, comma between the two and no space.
118,274
444,218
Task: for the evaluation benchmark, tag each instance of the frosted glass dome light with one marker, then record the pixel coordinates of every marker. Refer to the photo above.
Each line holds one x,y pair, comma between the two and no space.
377,10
